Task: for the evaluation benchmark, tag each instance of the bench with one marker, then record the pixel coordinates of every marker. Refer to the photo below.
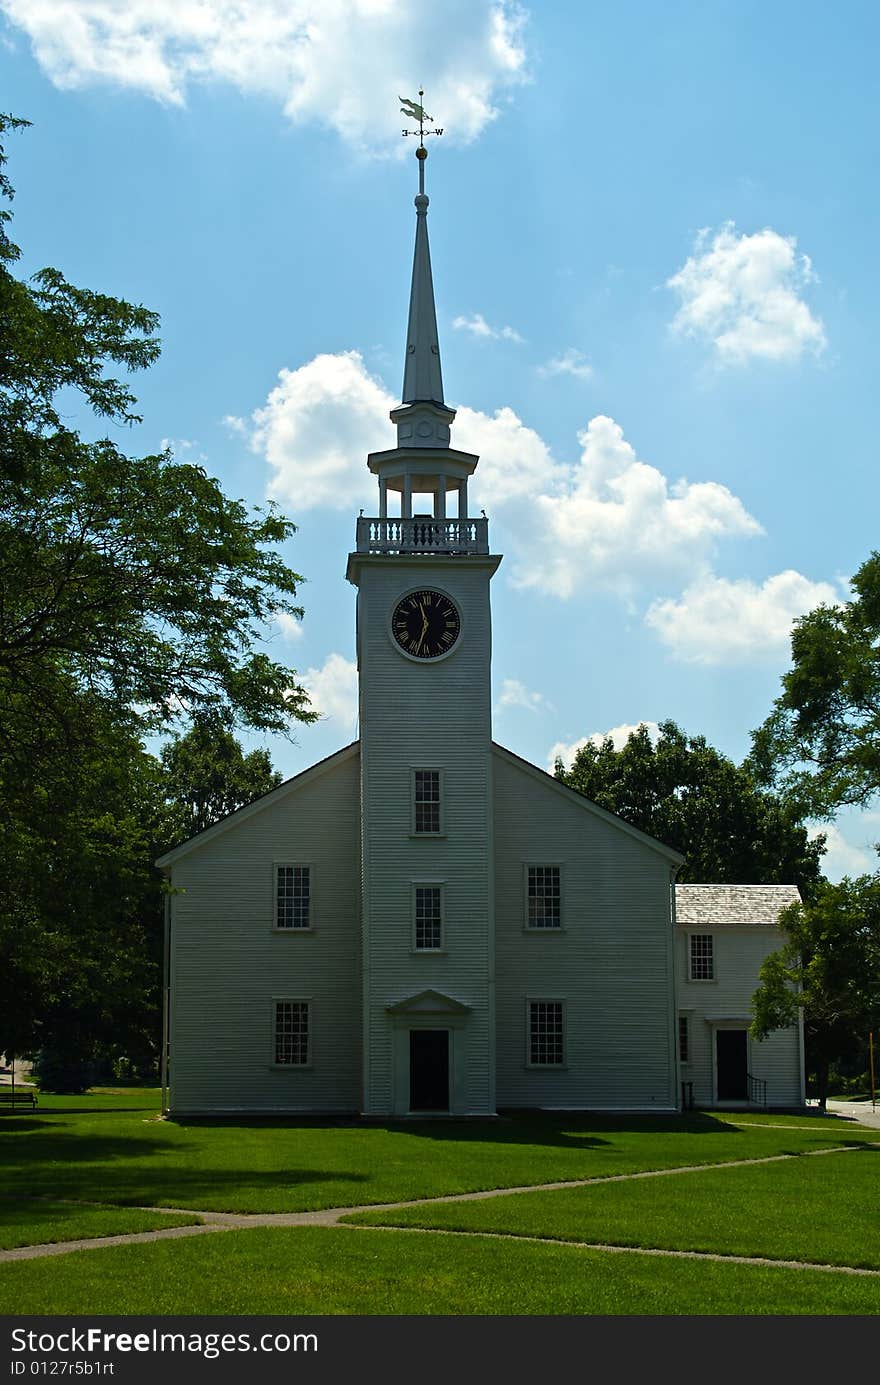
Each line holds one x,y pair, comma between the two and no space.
19,1098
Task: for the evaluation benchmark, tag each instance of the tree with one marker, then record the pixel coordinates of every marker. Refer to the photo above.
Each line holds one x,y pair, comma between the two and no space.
693,798
207,775
81,903
821,743
133,579
829,968
133,595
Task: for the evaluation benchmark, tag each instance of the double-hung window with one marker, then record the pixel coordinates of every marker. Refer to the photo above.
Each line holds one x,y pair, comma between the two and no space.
293,1033
543,897
702,957
427,802
293,896
427,918
546,1034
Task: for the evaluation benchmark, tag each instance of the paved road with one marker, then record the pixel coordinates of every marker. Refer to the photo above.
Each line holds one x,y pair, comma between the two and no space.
857,1111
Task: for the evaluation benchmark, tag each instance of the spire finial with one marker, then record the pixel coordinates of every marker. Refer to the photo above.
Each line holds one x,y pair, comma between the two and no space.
416,111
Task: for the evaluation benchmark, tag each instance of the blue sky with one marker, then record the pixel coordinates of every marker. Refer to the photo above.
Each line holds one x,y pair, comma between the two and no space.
653,231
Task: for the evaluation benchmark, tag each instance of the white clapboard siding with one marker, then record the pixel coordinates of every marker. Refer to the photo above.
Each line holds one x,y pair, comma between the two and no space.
229,964
739,951
431,715
612,963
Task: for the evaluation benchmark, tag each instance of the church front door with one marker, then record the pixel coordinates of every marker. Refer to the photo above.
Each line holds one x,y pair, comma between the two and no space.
429,1070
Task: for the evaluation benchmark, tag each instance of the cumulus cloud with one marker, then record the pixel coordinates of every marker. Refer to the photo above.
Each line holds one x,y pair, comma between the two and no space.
477,325
718,621
516,694
337,63
569,362
615,520
742,293
842,857
611,519
289,627
315,429
618,735
333,691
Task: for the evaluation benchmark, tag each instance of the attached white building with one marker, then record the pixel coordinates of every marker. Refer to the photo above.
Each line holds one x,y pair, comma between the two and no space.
724,934
424,922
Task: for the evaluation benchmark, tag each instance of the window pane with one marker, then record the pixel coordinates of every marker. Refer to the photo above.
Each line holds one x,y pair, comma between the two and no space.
545,1031
294,897
544,897
427,800
683,1038
702,957
428,916
292,1031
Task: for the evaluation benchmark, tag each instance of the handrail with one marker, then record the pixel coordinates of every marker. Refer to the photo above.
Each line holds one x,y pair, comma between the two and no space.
757,1090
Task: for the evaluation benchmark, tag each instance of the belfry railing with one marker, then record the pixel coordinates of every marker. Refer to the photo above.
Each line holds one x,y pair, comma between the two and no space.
422,535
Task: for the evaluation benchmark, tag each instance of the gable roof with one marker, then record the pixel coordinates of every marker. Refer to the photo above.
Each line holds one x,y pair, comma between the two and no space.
550,781
266,800
733,904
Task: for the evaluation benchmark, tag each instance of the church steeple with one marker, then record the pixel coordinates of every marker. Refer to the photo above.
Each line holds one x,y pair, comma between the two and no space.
422,377
422,470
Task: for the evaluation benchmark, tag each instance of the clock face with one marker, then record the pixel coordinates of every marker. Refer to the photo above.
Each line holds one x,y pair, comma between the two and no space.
426,624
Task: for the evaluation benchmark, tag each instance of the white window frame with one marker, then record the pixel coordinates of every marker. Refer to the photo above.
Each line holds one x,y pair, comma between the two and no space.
439,885
305,1000
528,926
701,980
292,928
427,769
546,1000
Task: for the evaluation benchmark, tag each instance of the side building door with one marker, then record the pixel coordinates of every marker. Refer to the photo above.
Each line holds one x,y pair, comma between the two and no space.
732,1064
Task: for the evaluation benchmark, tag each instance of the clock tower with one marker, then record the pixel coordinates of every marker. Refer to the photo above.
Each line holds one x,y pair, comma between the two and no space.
422,568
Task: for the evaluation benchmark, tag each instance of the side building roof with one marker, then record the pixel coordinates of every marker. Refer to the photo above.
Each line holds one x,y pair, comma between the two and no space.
746,905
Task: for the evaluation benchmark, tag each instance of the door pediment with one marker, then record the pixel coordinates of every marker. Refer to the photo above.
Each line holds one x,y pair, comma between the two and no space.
428,1003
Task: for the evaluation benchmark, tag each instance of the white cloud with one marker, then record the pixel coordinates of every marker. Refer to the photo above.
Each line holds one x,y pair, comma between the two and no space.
619,735
842,857
315,429
289,627
717,621
742,293
477,325
610,520
569,362
614,520
337,63
333,690
516,694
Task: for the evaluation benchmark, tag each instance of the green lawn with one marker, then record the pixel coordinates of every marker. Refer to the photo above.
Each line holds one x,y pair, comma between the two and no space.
36,1222
109,1148
316,1270
824,1210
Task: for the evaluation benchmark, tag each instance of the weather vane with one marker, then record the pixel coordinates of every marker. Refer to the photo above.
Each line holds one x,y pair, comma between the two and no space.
416,111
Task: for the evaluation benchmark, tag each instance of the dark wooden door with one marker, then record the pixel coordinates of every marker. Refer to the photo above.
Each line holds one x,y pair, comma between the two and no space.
732,1058
429,1070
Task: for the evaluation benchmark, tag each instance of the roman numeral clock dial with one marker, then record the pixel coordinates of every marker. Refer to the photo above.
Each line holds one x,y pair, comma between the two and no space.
426,624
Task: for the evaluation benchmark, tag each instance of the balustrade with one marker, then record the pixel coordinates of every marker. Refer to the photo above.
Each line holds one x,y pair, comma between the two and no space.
422,535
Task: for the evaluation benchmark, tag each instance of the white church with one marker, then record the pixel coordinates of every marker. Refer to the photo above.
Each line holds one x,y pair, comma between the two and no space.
424,923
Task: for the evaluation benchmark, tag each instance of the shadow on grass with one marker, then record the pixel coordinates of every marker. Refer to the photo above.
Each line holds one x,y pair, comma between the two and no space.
173,1187
557,1129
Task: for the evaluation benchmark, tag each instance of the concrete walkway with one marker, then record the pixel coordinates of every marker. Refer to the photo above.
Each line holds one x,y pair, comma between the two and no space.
332,1216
